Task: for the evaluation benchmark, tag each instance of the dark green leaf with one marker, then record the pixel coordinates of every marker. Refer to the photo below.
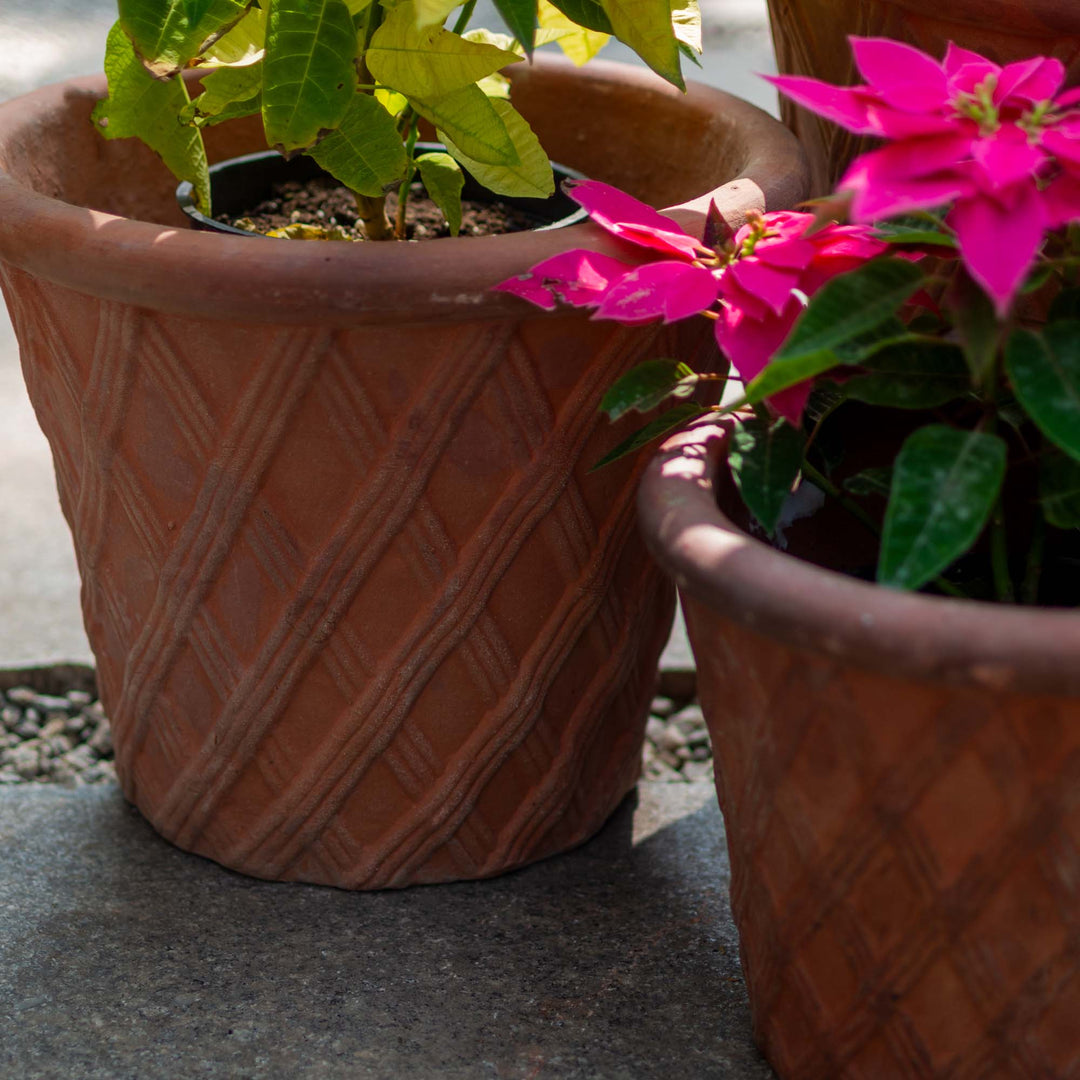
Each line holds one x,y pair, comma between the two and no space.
862,347
945,484
977,323
1059,489
912,376
765,458
647,386
669,421
1037,278
690,53
875,481
1045,373
1066,305
587,13
915,229
824,399
309,74
777,376
520,19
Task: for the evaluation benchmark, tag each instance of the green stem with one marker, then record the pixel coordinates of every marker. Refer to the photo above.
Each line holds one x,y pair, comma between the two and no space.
411,124
464,17
372,208
999,554
1029,590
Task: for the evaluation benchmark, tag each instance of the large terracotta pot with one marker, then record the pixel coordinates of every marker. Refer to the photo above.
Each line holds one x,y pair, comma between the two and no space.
900,781
811,39
362,616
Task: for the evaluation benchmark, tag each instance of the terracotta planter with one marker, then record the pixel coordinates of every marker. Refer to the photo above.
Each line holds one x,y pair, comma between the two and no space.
900,782
361,614
811,39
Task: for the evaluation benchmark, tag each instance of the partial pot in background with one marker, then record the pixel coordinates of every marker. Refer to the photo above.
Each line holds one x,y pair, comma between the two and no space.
900,781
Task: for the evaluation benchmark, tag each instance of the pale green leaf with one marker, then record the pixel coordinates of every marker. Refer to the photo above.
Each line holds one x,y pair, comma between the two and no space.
366,152
530,177
765,458
469,119
228,92
147,108
443,179
431,62
578,43
242,46
165,38
645,25
945,483
391,101
309,75
1045,374
433,12
686,22
495,86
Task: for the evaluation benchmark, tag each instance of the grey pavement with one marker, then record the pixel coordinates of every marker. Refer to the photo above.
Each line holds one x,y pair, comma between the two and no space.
122,958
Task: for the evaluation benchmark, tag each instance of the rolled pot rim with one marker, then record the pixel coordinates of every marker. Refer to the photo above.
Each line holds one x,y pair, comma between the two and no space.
120,258
713,562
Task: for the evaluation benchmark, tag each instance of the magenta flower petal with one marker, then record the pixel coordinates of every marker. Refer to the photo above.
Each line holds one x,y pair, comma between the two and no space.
1063,141
631,219
906,78
891,123
785,253
580,278
1007,156
1061,201
1034,80
964,64
769,284
844,105
999,240
667,290
1070,97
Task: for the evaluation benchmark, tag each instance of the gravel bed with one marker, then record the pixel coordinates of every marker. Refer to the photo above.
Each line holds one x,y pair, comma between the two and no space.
53,730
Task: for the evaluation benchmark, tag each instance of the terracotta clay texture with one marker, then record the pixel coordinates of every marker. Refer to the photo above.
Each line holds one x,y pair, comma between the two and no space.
811,39
362,615
900,782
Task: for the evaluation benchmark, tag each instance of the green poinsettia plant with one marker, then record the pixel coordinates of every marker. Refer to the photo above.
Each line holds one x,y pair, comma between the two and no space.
940,286
349,81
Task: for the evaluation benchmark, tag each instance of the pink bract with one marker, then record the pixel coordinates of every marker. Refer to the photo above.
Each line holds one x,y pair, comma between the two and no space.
964,130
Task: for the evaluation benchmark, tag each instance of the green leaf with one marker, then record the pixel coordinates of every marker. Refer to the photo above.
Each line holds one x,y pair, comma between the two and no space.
915,229
579,43
443,179
645,25
859,349
228,92
429,62
1059,489
976,321
850,306
873,481
919,375
164,34
139,105
1066,305
309,75
945,484
520,19
765,459
1045,374
433,12
669,421
587,13
366,152
469,120
242,46
848,318
530,177
647,386
686,22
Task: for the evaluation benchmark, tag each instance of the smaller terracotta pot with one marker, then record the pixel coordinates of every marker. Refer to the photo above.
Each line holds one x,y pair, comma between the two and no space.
900,781
811,39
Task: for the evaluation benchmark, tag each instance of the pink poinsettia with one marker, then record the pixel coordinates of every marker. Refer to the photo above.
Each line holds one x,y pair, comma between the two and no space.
754,288
995,141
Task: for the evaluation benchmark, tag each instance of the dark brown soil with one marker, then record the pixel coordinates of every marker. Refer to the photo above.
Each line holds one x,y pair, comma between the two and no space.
325,202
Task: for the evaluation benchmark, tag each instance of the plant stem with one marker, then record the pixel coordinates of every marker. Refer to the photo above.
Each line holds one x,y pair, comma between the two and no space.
411,124
464,17
371,208
999,553
1029,590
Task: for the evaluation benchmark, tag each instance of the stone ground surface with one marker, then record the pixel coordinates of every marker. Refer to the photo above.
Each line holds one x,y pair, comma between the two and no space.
122,957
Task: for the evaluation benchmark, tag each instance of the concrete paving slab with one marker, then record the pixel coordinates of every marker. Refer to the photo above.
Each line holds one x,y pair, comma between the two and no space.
47,40
123,957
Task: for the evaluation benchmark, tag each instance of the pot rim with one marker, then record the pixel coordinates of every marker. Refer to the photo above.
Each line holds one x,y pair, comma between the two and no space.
119,258
1040,16
713,562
